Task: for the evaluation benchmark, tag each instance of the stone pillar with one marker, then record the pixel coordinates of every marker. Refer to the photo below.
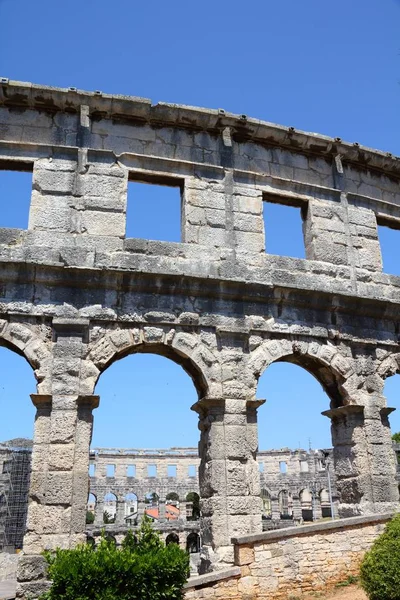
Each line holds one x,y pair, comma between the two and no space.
317,508
120,512
297,514
141,505
59,482
161,510
275,509
99,513
363,458
182,511
228,474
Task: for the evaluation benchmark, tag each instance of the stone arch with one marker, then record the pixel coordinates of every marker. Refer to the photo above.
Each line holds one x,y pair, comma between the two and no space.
172,538
92,498
193,543
185,348
21,339
323,361
285,501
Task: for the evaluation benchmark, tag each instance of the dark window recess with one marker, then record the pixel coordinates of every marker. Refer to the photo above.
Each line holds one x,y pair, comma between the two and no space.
15,198
153,212
283,226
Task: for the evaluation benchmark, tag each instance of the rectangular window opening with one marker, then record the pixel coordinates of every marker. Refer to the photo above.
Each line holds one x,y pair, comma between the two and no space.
154,209
389,239
131,471
283,466
15,194
283,225
151,470
171,470
192,471
261,467
92,470
110,471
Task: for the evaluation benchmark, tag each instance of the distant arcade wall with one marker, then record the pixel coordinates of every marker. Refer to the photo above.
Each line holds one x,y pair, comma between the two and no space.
76,294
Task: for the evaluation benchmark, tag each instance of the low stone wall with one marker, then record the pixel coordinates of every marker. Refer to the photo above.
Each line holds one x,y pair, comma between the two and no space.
8,566
292,562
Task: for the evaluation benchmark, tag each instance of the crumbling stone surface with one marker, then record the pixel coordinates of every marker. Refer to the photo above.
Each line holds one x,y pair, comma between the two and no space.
8,566
77,295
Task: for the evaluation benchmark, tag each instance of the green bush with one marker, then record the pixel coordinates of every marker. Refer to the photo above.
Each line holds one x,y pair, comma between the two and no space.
380,568
142,569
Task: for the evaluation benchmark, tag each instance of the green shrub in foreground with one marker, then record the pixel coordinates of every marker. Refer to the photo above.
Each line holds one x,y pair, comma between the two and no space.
380,568
142,569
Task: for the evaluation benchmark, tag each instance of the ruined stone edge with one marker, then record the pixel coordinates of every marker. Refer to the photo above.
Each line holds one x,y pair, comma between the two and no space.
314,528
207,578
29,95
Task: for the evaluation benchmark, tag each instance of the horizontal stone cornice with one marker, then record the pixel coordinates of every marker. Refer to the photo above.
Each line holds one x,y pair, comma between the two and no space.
17,94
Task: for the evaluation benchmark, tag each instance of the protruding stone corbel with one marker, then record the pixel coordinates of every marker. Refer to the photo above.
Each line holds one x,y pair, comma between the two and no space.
385,412
42,401
206,405
89,402
343,411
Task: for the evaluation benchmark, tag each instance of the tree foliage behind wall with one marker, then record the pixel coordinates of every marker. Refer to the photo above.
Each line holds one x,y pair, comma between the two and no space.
142,569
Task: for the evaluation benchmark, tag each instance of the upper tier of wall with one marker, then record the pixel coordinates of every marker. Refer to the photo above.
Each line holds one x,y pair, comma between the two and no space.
84,147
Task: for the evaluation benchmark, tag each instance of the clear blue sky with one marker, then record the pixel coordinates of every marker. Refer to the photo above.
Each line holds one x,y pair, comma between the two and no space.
333,68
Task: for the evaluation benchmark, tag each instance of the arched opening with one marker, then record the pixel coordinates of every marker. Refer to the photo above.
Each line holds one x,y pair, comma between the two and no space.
145,431
266,504
172,508
285,501
16,440
143,389
131,508
193,543
192,506
91,509
391,418
110,508
172,538
110,539
325,501
294,437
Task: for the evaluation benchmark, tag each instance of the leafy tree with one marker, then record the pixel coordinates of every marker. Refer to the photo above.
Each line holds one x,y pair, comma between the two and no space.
172,496
89,517
195,500
108,518
151,498
142,569
396,437
380,569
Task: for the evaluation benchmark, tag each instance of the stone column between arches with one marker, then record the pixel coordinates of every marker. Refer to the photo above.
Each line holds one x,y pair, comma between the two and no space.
59,484
364,460
228,475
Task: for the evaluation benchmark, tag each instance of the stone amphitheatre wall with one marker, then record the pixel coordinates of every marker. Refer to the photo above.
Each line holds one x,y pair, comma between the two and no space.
76,294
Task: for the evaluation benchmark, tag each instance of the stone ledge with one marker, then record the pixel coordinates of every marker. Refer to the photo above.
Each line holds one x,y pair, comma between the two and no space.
288,532
207,578
28,95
